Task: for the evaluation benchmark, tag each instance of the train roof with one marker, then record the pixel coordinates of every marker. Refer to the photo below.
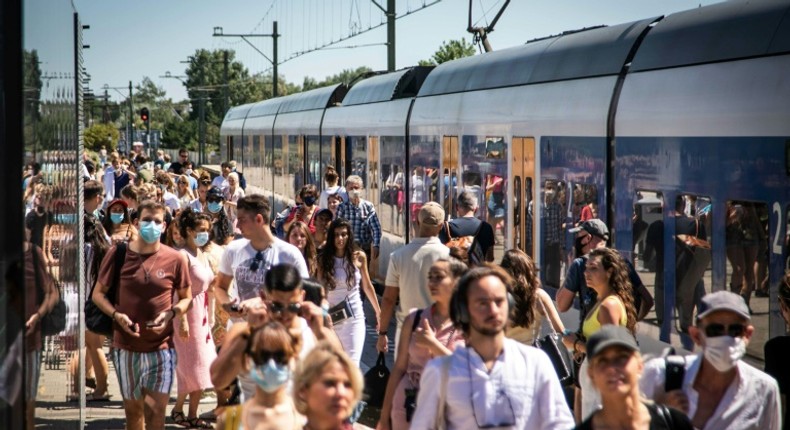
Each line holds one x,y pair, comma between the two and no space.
720,32
594,52
396,85
265,108
238,112
319,98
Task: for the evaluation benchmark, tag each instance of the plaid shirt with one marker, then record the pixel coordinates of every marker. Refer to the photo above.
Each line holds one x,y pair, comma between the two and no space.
364,222
552,219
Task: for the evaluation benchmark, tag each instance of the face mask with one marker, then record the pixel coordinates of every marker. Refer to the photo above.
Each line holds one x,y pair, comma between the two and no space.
309,200
116,218
188,172
201,238
214,207
354,194
150,231
723,352
270,376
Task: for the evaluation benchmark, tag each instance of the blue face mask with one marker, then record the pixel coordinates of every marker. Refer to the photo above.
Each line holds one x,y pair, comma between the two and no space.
270,376
214,207
201,238
150,231
116,218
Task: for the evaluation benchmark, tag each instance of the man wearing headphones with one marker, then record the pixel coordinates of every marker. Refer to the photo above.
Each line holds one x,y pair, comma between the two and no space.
493,381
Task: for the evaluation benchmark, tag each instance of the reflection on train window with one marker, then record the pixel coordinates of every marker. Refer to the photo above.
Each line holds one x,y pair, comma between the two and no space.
746,234
314,172
295,164
648,244
553,204
423,176
584,202
327,156
392,167
358,159
484,166
279,152
787,241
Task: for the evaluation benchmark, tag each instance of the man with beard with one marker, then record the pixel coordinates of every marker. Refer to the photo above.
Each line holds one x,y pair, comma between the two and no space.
493,381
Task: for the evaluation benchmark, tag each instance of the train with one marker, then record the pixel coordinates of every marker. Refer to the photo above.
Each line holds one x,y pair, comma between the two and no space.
686,114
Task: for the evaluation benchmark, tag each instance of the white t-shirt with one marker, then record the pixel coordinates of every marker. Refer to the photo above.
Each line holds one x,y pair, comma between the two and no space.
171,201
220,182
323,199
239,256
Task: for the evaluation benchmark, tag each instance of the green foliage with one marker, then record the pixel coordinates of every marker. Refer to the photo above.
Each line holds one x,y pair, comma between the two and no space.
451,50
346,76
180,133
101,134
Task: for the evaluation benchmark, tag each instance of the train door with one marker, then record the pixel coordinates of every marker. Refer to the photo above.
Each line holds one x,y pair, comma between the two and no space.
448,185
372,180
337,155
523,174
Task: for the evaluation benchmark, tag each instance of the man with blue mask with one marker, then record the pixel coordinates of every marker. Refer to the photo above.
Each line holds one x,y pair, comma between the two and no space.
142,311
719,390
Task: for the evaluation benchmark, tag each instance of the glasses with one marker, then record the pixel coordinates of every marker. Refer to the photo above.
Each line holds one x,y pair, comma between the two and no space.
263,357
256,262
499,394
214,200
278,308
716,330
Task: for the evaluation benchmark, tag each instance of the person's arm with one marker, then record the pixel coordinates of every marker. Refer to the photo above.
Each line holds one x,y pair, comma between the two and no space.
388,301
315,318
123,320
398,370
230,359
184,294
375,227
647,302
552,407
425,337
610,312
551,311
367,285
569,288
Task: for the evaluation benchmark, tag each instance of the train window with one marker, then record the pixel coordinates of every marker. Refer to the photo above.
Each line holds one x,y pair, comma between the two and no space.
423,178
295,164
314,172
584,204
357,147
552,214
484,166
268,164
746,235
327,159
648,244
392,167
279,153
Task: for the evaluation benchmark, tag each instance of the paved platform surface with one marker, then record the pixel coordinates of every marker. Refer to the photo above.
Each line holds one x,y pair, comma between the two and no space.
55,411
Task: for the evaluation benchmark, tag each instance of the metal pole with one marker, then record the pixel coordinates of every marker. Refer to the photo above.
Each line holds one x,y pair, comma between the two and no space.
129,137
275,80
390,35
202,131
225,76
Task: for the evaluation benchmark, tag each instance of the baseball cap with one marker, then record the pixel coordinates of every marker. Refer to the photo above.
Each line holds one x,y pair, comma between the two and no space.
214,193
593,226
722,301
610,335
118,202
431,214
324,212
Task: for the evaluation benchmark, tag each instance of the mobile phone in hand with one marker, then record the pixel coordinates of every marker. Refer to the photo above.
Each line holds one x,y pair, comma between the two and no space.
150,324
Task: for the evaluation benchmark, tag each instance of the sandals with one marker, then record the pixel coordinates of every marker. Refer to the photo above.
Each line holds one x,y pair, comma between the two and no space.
197,423
92,397
179,418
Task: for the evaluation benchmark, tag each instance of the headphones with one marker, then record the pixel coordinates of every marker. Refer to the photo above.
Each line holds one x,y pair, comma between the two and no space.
459,309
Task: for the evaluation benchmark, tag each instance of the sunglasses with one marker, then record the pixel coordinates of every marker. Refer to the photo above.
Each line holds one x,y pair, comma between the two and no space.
214,200
256,262
279,308
716,330
263,357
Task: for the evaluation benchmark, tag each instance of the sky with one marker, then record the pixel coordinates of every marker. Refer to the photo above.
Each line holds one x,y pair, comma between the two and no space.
133,39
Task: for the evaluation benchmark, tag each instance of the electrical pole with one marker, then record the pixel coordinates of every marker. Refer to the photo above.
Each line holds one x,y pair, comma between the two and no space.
106,113
390,35
226,92
218,32
129,137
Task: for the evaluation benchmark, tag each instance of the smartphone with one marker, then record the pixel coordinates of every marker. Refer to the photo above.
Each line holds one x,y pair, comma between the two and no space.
134,327
231,307
150,324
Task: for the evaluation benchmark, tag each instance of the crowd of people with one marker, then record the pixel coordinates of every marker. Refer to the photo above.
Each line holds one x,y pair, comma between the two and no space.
215,291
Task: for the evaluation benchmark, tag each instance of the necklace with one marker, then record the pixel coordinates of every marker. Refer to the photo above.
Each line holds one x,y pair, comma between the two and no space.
151,267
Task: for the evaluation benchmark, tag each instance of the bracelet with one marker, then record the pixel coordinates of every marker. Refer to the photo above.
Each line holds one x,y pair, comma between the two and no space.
113,314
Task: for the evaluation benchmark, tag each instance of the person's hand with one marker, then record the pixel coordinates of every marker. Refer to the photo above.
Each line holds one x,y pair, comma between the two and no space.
374,252
257,315
677,399
314,315
382,344
424,335
383,424
160,323
246,305
211,319
32,322
130,327
183,327
360,259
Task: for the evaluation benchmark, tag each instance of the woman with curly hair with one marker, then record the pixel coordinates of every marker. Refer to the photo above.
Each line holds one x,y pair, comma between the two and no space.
532,302
343,270
299,236
607,273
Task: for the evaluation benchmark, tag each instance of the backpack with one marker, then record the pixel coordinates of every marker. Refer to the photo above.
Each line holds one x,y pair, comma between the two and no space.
475,253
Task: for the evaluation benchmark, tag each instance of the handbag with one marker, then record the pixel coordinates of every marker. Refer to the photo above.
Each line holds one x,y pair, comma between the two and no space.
54,321
552,345
96,320
376,382
341,312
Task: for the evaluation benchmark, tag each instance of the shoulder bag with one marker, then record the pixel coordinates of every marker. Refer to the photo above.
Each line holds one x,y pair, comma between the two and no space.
96,320
552,345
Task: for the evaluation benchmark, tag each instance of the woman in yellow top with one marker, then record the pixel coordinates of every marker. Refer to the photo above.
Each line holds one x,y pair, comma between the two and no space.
607,273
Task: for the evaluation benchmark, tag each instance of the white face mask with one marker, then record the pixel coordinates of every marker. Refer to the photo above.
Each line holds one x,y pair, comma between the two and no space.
354,194
724,352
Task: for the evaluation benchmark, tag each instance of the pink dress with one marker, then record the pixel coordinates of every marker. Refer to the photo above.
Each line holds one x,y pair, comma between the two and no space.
448,336
196,353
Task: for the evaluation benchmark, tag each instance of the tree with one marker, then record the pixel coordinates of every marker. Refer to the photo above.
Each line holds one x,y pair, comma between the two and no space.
101,134
451,50
347,76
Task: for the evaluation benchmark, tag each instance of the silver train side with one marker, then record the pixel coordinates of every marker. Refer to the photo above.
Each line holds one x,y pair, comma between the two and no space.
695,103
